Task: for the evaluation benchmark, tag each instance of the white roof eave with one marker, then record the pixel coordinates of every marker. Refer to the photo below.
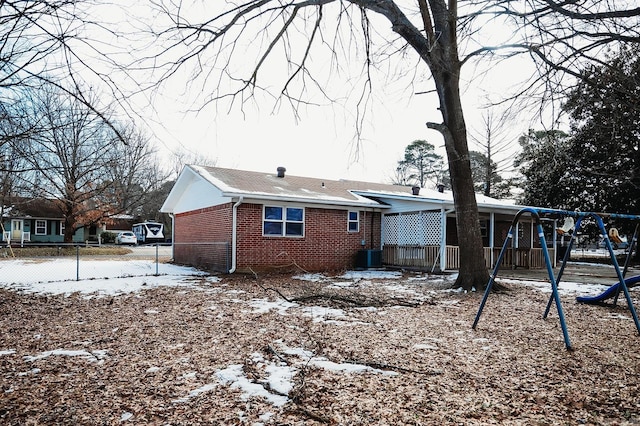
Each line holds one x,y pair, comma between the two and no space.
307,200
446,203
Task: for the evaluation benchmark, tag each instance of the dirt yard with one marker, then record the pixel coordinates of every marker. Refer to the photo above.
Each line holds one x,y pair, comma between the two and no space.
283,351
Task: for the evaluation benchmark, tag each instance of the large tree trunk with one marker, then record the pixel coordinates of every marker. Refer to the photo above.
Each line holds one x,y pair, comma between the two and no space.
473,271
439,50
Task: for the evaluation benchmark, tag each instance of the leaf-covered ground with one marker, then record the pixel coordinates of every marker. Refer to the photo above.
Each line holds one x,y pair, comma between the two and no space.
283,351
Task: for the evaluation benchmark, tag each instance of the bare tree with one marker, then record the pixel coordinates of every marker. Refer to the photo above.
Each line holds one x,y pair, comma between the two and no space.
12,128
401,175
282,39
30,36
180,159
561,38
10,161
133,173
73,157
493,142
52,42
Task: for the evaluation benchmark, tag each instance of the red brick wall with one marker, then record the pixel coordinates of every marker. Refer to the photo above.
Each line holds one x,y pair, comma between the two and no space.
203,238
326,245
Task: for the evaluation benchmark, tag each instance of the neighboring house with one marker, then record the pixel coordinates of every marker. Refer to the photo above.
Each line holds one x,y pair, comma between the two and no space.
228,220
39,220
34,220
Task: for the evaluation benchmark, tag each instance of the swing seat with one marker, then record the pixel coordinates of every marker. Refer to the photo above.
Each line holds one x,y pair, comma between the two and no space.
567,226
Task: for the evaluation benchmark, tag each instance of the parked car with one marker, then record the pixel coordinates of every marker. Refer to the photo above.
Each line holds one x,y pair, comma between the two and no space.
126,237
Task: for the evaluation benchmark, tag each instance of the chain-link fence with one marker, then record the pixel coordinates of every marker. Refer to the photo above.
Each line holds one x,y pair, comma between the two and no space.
210,256
65,262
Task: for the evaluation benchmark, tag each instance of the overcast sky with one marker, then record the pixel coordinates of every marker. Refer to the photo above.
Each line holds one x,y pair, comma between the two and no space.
322,142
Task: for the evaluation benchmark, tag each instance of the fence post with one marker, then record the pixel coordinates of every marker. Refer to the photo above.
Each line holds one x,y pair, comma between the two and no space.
77,262
157,244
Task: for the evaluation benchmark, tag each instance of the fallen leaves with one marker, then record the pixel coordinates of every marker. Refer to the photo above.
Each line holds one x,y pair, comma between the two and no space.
238,353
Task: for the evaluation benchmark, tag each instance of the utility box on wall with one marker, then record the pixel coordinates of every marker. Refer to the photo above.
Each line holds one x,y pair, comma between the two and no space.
369,259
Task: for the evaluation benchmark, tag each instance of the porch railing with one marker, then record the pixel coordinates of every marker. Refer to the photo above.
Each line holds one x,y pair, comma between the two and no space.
24,237
428,257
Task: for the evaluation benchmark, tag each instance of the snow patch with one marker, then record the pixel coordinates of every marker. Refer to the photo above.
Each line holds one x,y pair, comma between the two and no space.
97,277
93,356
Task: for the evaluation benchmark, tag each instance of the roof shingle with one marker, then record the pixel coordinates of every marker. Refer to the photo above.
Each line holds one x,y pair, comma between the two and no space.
242,182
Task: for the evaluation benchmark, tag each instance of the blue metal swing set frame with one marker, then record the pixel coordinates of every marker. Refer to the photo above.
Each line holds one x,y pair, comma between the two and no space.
555,280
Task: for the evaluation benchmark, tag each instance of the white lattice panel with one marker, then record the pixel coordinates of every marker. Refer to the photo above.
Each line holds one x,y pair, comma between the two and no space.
390,227
432,230
416,228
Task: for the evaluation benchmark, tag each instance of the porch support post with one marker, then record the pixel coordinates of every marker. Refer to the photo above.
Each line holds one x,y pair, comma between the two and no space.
443,239
532,244
492,223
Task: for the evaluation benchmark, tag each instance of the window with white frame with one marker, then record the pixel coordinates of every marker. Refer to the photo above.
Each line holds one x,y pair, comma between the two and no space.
62,227
41,227
353,221
283,221
484,228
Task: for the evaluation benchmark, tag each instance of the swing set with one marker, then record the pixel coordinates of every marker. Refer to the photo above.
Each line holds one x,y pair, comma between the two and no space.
613,291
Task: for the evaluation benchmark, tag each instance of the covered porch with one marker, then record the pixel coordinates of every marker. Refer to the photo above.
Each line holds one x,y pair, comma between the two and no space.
427,240
17,231
427,257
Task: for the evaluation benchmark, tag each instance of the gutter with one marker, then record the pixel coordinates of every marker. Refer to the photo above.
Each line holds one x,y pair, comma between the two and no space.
261,197
173,236
234,235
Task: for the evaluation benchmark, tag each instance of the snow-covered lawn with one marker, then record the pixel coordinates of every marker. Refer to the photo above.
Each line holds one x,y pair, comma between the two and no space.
97,277
110,277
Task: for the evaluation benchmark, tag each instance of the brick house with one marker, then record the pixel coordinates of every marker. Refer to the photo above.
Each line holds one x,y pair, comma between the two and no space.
233,220
229,220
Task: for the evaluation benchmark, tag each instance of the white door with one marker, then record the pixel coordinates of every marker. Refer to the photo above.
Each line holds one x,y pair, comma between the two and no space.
16,229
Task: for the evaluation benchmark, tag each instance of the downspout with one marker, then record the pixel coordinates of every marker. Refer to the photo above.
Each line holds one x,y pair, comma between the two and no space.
173,236
491,231
382,230
371,231
234,236
363,242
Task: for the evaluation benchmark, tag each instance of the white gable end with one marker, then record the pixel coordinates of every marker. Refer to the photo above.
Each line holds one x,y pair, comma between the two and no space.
192,192
200,195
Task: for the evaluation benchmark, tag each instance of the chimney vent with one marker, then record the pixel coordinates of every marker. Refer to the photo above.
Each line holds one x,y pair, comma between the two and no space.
281,171
440,187
415,190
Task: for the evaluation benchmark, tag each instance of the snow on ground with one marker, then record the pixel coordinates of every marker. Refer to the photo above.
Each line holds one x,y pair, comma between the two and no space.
96,277
598,253
114,277
565,288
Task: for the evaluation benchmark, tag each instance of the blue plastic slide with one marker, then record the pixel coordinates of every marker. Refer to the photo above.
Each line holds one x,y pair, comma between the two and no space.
609,293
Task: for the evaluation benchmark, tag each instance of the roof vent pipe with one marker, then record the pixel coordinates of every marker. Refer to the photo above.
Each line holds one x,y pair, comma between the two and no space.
440,187
281,171
415,190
